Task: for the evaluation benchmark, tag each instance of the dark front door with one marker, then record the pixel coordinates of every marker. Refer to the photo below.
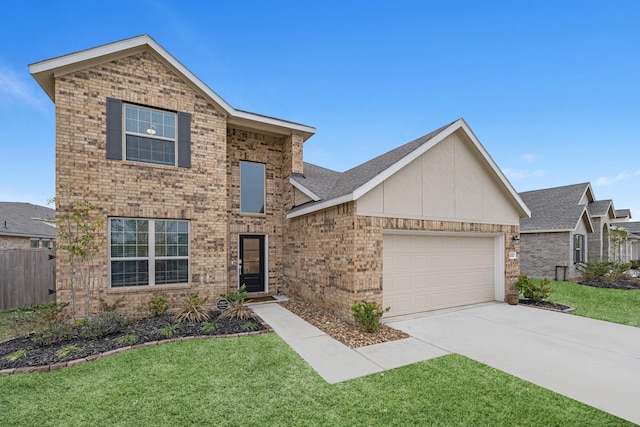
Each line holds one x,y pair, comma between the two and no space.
252,263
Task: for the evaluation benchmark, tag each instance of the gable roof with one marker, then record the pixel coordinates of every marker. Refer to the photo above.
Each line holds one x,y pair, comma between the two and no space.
601,208
26,220
46,71
333,188
623,213
633,227
556,209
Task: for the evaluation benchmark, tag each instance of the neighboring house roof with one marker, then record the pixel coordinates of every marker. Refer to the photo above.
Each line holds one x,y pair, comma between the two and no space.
26,220
45,71
633,227
601,208
623,213
557,209
333,188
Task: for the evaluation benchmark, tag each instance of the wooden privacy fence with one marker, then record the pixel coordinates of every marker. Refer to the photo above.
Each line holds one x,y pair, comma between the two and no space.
26,278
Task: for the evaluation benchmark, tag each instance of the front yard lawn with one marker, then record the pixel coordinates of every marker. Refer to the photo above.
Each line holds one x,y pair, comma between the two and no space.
613,305
260,380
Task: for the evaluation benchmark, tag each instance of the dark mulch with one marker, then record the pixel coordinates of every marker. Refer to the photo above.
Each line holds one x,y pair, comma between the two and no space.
146,330
624,283
545,304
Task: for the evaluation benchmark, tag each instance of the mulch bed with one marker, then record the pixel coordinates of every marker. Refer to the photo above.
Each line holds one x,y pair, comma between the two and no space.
547,305
349,334
146,330
623,283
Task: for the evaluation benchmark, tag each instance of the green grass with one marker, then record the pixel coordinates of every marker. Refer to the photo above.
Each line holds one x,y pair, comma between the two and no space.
612,305
259,380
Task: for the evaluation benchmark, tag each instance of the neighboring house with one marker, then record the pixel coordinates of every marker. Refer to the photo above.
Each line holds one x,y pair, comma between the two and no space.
23,225
555,238
628,249
602,214
198,196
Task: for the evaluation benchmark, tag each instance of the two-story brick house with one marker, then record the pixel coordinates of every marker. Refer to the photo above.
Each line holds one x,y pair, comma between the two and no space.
198,196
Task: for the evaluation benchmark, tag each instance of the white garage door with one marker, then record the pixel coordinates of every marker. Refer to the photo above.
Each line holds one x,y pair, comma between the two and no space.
423,273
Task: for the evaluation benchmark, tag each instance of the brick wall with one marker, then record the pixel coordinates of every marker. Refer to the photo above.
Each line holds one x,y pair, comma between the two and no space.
541,252
333,258
255,147
127,189
14,242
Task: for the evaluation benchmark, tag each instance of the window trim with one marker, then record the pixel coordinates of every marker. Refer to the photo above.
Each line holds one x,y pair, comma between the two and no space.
264,188
578,250
126,133
115,134
151,257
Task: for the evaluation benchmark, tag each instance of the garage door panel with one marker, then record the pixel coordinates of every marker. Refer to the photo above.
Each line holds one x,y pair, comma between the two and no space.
432,272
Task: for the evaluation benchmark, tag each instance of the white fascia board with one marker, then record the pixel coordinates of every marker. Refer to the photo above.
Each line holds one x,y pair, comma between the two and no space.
391,170
313,196
45,71
322,205
524,209
458,124
585,211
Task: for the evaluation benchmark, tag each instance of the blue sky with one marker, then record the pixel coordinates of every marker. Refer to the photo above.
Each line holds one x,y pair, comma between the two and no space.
551,88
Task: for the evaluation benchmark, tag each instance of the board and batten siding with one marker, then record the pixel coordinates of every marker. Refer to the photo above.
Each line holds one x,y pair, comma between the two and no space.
449,182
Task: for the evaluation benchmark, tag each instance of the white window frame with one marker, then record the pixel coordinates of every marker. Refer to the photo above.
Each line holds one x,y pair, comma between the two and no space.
126,132
151,257
264,188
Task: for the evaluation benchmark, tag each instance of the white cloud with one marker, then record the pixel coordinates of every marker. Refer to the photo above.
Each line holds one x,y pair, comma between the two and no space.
15,86
638,172
513,174
610,180
529,158
540,173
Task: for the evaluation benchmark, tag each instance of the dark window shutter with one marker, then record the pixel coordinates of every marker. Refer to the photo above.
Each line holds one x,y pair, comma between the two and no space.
114,129
184,140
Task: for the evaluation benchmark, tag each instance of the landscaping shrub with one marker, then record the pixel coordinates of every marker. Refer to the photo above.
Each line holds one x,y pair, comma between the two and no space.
368,314
532,290
634,264
53,324
193,310
158,305
237,308
608,272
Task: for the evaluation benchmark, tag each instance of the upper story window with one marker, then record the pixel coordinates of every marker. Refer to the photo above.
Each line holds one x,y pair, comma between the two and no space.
252,188
148,135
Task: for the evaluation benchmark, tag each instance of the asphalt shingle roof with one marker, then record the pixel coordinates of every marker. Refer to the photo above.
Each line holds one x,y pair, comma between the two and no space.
633,226
555,208
329,184
599,207
25,219
623,213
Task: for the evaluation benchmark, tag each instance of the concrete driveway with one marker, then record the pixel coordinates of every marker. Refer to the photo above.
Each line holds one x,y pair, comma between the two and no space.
591,361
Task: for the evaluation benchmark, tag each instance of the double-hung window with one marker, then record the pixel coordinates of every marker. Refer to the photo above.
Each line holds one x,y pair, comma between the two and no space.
148,252
148,135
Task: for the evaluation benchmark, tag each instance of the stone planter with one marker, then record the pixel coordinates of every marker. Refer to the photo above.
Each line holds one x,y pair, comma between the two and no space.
513,299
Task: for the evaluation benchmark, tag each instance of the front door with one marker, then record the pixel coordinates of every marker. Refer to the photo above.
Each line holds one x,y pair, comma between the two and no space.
252,263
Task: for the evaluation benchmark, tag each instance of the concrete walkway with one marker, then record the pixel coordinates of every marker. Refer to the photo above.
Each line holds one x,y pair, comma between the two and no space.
595,362
334,361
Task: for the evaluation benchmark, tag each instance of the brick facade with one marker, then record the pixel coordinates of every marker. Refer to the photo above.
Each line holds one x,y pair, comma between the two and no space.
541,252
333,258
14,242
205,194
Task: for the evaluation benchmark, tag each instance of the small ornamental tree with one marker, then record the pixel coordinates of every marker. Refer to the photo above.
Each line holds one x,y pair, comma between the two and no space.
76,225
618,236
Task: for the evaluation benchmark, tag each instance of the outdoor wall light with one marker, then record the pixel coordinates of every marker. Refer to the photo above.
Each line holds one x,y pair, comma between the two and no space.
516,238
